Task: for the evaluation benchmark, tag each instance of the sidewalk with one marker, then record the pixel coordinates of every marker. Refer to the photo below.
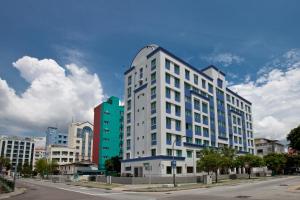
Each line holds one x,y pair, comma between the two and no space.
17,191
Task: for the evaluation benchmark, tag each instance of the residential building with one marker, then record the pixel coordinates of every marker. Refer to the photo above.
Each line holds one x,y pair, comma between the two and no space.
169,102
61,154
108,131
17,149
81,138
265,146
53,137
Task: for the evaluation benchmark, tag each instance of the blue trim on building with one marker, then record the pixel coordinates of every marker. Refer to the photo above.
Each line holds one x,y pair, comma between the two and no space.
129,70
235,94
160,157
180,60
187,144
199,95
222,138
214,67
140,88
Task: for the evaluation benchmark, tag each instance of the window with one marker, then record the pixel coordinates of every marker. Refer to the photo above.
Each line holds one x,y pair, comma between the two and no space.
205,120
141,73
153,78
168,78
128,118
188,113
188,126
210,88
106,122
153,138
204,107
128,144
169,170
168,92
153,92
196,104
177,111
189,153
197,117
198,141
177,96
168,64
128,104
203,84
179,170
205,132
197,130
169,152
153,107
153,152
179,153
176,69
128,131
169,138
168,107
187,74
153,123
228,97
177,82
220,83
153,64
168,123
178,125
129,92
129,80
195,79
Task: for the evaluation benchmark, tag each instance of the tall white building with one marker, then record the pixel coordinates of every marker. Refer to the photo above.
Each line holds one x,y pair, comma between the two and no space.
168,101
81,139
17,149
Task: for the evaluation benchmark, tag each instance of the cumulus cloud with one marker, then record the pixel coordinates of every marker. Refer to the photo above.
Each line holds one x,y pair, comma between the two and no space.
275,96
224,59
55,95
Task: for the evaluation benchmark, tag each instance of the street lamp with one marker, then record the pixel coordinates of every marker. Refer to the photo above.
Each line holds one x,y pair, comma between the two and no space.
173,164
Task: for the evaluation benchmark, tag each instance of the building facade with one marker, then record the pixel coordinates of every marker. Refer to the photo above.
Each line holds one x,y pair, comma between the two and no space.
54,137
61,154
169,103
18,150
108,131
266,146
81,138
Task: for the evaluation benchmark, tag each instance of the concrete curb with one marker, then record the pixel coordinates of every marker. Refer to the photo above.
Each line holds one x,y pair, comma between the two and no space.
11,194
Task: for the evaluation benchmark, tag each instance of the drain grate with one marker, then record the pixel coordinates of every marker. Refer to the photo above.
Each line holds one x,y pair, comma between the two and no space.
242,197
283,185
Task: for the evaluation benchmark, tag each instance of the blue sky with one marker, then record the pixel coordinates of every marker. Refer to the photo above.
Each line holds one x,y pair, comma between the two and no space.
240,37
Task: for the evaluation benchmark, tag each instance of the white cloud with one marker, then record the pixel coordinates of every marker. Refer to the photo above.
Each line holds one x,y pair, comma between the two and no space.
55,95
224,59
276,97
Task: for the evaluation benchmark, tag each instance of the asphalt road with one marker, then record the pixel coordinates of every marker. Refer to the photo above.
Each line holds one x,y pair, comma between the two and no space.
271,189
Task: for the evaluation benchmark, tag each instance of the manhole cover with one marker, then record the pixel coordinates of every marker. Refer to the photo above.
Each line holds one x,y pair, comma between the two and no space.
283,185
242,197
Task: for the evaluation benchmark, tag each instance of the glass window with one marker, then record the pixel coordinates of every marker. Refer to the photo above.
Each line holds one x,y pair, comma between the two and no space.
177,96
220,83
195,79
187,74
153,64
168,64
211,88
189,153
176,69
129,80
168,78
203,84
177,82
168,92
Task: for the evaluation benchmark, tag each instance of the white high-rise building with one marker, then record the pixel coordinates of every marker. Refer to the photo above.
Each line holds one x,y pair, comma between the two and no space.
169,102
17,149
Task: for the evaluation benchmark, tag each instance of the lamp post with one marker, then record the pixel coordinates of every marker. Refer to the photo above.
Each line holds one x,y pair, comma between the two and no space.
173,164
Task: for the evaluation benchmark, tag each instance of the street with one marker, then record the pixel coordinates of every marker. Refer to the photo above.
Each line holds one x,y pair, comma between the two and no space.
279,188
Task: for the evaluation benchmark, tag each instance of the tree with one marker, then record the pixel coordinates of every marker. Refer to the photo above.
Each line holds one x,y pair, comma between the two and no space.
228,156
26,170
113,164
275,162
4,163
294,138
210,160
249,161
292,163
45,167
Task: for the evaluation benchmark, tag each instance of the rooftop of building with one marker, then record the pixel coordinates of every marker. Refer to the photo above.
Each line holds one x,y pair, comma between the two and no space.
266,140
7,137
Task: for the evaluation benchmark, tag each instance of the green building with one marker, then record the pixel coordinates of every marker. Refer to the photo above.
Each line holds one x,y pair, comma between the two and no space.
108,131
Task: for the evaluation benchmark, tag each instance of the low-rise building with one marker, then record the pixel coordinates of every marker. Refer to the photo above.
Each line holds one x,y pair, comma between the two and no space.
54,137
61,155
17,149
79,168
265,146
